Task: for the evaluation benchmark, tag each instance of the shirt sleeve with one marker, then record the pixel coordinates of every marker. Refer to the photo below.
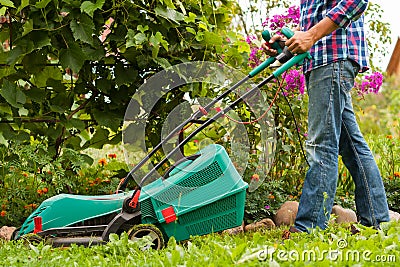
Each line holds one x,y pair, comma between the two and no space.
347,11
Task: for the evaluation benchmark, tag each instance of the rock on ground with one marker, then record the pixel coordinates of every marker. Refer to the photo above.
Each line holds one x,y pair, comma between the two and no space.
6,232
286,214
344,215
394,216
263,224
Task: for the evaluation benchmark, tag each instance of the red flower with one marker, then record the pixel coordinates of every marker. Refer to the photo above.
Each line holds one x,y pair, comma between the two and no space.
112,156
3,213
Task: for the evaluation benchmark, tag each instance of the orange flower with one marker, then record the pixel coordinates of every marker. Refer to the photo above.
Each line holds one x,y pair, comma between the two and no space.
3,213
102,162
397,174
389,136
45,190
25,174
112,156
29,206
255,177
40,191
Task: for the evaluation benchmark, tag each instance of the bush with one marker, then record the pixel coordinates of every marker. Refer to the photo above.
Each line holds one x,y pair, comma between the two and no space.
28,176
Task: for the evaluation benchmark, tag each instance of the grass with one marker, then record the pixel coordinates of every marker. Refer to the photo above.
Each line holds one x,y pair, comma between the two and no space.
332,247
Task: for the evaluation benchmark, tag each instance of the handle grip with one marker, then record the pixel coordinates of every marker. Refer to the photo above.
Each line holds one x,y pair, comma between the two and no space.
288,33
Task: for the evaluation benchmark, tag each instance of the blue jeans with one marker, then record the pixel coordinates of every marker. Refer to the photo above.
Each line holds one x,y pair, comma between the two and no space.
333,131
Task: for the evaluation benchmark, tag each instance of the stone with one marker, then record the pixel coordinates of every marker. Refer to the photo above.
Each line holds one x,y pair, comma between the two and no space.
286,214
263,224
234,231
394,216
6,232
343,215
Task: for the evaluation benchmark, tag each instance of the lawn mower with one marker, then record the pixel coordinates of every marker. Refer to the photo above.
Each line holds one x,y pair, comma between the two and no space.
199,194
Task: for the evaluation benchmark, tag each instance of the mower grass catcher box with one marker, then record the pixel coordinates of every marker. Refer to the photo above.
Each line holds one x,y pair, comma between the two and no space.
199,197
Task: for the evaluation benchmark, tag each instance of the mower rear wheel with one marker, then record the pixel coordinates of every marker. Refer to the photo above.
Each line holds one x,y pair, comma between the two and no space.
32,239
148,231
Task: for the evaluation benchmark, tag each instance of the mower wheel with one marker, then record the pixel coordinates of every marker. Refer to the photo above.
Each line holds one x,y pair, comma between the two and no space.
31,238
140,232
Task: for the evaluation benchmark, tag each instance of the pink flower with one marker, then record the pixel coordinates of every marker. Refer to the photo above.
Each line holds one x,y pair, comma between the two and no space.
370,84
294,80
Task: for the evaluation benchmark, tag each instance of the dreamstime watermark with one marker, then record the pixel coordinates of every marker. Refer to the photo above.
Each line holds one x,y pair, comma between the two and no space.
341,253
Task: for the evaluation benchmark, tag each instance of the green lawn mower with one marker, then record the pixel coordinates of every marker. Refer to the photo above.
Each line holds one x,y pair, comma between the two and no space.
199,194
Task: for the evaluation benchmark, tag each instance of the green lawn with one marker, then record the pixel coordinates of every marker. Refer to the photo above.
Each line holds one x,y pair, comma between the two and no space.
335,246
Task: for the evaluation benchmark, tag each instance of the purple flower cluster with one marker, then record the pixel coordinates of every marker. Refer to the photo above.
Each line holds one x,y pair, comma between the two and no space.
370,84
294,80
250,39
276,22
254,57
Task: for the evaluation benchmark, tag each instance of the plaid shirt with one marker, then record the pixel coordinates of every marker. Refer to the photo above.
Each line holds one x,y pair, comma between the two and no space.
347,42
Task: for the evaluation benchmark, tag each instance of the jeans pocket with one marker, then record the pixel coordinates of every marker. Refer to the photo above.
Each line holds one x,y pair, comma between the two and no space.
348,72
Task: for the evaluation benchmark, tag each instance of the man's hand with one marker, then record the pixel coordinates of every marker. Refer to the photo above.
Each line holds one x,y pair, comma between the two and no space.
267,46
300,42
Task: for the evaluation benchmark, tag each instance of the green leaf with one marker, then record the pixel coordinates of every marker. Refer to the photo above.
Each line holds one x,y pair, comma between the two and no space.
35,61
83,29
243,47
107,119
40,79
142,29
61,103
163,62
37,95
12,94
169,4
72,58
99,139
169,14
124,74
75,124
7,3
130,38
5,109
191,30
155,41
89,7
6,70
24,3
94,54
28,27
212,39
42,3
3,11
140,38
39,38
191,18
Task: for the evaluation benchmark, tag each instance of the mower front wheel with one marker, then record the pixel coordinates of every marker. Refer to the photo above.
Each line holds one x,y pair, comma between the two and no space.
141,232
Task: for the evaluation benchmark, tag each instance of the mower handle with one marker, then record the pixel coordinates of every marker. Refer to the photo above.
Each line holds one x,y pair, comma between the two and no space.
288,33
266,35
177,163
